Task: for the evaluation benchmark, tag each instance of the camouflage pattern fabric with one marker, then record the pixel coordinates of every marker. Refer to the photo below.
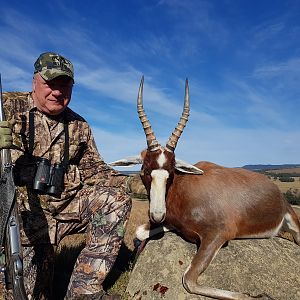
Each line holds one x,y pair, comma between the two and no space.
107,210
94,200
51,65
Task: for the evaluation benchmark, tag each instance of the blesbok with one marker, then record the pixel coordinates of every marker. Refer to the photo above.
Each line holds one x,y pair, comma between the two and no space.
207,203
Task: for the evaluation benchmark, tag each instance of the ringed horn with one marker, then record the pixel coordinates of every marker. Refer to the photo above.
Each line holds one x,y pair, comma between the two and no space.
150,136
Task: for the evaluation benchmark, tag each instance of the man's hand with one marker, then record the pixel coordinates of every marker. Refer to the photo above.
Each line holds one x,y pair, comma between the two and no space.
6,139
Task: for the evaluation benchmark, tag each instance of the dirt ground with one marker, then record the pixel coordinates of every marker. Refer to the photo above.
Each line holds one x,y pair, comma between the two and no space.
138,216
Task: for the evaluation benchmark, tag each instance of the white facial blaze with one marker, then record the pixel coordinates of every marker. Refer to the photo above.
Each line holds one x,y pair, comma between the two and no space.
161,160
158,193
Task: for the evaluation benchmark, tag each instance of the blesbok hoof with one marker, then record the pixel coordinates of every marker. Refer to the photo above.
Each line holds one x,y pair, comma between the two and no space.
139,245
136,242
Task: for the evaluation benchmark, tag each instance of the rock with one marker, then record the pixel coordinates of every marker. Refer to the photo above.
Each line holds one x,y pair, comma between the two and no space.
255,266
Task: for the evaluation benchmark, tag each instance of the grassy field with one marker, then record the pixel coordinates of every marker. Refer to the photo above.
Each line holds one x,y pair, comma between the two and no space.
285,186
287,170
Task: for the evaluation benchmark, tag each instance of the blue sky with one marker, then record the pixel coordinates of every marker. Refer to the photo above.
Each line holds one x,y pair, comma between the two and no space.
242,59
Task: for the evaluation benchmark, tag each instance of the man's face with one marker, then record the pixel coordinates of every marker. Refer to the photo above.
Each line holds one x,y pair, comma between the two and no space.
51,97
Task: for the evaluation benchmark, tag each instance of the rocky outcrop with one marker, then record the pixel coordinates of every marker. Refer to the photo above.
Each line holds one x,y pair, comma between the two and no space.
257,266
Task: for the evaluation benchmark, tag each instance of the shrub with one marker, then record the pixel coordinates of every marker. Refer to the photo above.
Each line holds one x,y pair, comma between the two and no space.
292,197
286,179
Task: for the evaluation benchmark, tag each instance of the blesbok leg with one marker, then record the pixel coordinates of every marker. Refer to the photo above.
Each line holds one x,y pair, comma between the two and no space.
208,249
293,225
145,231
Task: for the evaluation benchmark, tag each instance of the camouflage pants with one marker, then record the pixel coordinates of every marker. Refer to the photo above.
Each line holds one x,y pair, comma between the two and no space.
104,212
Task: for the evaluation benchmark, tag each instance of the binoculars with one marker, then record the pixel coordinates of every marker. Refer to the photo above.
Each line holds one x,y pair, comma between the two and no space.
49,179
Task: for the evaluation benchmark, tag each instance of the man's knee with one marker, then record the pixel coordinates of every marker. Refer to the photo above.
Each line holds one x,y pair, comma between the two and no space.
106,199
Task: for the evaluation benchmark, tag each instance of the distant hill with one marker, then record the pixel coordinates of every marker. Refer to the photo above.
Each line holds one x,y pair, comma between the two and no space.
270,167
260,167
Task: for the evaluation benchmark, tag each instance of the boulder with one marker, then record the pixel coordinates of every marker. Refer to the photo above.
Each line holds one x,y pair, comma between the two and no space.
256,266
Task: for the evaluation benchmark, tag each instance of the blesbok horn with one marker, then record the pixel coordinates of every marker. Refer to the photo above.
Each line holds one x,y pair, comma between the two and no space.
150,136
173,139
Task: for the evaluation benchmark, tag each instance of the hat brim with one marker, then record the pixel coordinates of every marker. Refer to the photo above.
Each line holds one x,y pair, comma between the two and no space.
50,74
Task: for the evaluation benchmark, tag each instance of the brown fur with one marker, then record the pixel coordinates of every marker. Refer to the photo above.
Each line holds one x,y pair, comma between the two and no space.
246,202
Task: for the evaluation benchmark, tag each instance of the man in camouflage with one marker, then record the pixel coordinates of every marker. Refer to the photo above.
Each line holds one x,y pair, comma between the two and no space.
93,200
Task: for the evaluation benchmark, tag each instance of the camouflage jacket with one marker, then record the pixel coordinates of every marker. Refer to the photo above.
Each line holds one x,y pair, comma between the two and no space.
86,166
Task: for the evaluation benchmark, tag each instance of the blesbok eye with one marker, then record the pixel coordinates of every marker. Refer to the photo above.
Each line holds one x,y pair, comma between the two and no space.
145,173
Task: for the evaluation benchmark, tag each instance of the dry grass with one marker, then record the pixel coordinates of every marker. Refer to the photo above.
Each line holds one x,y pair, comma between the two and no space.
287,170
138,216
285,186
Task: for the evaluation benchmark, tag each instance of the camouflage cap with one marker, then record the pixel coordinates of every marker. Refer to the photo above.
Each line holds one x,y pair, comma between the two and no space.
51,65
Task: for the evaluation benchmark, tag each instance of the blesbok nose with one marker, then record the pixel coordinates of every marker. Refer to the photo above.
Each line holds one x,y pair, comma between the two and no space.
157,217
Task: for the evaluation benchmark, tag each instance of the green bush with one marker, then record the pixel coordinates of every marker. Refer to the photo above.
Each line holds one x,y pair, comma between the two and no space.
286,179
292,197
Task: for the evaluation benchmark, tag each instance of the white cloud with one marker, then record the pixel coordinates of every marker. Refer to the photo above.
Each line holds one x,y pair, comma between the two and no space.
290,68
13,77
267,31
113,146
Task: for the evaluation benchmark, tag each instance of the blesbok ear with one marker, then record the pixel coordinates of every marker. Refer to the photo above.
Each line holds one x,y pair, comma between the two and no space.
185,167
128,161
